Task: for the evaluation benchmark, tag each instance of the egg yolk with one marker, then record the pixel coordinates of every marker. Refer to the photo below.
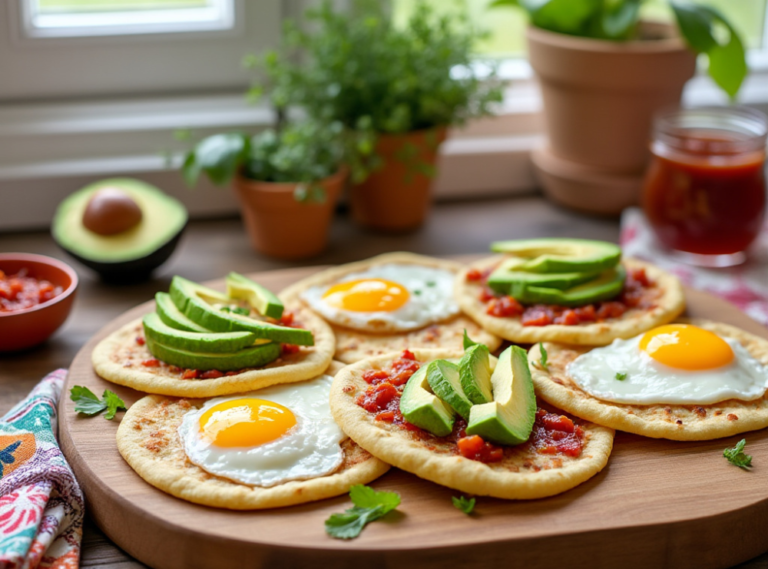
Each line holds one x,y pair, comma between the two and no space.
367,295
688,347
246,422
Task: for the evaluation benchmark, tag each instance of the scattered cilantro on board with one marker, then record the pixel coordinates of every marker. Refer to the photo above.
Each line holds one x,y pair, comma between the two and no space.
736,455
621,375
544,356
87,403
465,505
370,505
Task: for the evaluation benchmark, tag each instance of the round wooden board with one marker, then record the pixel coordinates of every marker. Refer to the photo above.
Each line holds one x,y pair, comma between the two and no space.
657,503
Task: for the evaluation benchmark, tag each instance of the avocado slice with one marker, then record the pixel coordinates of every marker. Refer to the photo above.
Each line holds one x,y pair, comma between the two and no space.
508,419
210,342
194,301
507,279
423,408
264,301
173,317
558,255
607,285
256,356
128,256
475,374
443,378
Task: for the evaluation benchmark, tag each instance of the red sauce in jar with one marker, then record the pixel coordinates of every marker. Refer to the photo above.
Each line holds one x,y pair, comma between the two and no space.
705,188
19,291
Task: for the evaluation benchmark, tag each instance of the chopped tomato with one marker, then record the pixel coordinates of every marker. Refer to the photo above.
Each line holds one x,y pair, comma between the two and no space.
378,398
553,434
151,363
18,292
375,377
212,374
286,319
474,275
537,315
610,309
190,374
289,349
407,355
567,318
475,448
586,313
504,306
140,340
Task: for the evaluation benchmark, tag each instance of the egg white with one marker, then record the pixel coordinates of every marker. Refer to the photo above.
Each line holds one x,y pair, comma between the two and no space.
310,450
430,299
649,382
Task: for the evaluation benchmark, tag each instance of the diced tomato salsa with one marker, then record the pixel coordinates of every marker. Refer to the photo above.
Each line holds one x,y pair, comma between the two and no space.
634,295
552,434
19,291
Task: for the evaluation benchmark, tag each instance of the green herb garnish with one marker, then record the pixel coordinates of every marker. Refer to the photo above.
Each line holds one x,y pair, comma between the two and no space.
431,283
621,375
370,506
468,342
87,403
544,356
466,505
235,310
736,455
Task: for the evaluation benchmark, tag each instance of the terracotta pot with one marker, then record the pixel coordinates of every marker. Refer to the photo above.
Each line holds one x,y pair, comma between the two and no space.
280,226
600,96
396,198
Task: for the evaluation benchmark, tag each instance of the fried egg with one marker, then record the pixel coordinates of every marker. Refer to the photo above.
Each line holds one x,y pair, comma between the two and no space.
386,298
266,437
674,364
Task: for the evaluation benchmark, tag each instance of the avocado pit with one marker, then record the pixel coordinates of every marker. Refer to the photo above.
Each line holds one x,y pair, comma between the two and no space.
111,211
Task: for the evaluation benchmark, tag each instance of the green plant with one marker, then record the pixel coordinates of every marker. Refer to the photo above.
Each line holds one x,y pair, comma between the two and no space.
705,29
358,68
304,153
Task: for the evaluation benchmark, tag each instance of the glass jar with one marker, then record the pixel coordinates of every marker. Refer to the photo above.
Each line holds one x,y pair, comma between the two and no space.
704,191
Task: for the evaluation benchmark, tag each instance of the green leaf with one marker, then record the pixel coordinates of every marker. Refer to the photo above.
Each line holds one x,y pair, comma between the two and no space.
695,25
736,455
621,375
468,342
619,22
465,505
370,505
503,3
113,404
728,62
220,155
563,16
86,401
190,169
544,356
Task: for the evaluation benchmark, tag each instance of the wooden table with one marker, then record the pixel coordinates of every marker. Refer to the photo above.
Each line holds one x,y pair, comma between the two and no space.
210,249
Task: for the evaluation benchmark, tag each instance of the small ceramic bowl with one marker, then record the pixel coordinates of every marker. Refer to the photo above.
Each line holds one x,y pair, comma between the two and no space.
31,326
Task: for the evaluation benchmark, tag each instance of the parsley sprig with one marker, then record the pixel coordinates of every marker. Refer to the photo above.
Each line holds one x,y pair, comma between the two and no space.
370,506
544,356
466,505
87,403
621,375
736,455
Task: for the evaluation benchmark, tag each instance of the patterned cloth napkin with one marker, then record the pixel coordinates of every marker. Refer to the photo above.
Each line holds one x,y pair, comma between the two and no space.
41,506
746,286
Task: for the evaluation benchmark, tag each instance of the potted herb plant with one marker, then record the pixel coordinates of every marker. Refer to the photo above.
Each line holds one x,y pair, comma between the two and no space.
395,89
604,73
286,180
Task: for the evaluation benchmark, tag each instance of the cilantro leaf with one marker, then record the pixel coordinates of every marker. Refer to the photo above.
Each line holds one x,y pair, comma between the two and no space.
235,310
621,375
468,342
465,505
544,356
113,403
370,505
86,401
736,455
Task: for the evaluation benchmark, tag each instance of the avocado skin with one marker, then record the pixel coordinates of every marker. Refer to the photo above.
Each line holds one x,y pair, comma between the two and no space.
586,293
252,357
129,272
212,342
440,374
201,313
426,412
607,255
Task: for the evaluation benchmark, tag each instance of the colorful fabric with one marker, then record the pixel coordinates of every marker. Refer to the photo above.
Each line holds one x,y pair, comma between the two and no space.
746,286
41,505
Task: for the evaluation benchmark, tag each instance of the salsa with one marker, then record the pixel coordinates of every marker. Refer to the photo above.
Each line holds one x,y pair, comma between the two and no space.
634,295
552,434
19,291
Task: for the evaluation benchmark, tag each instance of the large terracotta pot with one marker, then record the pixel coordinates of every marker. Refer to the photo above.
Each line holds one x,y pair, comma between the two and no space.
397,197
599,99
279,225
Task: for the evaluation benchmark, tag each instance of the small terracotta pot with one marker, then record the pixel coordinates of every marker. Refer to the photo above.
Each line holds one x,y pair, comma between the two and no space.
395,198
600,96
279,225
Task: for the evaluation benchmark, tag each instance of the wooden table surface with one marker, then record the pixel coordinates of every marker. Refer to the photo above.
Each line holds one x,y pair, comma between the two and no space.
211,249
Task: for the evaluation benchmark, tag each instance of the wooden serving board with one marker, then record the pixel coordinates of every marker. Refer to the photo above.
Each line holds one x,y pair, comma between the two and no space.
657,503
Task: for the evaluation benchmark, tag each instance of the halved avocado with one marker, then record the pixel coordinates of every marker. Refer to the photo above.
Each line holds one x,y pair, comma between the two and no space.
559,255
250,357
173,317
194,301
211,342
508,419
264,301
423,408
443,378
130,255
606,286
